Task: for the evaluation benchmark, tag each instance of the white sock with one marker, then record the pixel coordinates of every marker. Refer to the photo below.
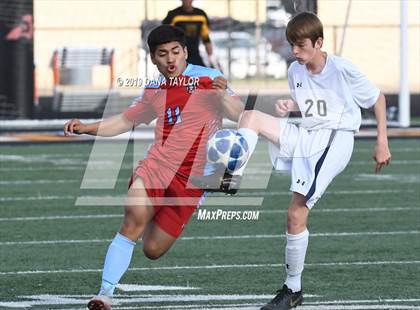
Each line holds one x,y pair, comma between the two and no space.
295,259
251,138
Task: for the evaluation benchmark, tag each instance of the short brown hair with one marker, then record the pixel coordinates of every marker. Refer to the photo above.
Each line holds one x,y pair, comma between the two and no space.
305,25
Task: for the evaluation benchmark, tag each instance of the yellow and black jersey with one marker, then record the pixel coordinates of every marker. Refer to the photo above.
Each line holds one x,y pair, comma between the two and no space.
195,25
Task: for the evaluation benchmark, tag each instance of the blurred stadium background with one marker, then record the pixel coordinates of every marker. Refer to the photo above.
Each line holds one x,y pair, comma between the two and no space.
62,58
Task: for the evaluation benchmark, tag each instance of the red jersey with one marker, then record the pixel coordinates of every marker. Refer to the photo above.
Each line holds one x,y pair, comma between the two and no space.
188,111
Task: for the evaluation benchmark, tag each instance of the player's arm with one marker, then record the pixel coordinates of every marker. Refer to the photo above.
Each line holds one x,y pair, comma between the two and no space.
381,154
232,106
108,127
366,95
284,106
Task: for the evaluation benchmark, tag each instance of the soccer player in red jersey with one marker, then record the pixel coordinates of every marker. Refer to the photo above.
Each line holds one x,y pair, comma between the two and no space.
188,102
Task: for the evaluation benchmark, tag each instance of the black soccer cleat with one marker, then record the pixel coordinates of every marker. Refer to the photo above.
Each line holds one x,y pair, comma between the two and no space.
218,182
284,300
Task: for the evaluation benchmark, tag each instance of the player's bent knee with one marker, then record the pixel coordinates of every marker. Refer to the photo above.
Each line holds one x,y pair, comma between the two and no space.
135,216
152,250
296,219
292,216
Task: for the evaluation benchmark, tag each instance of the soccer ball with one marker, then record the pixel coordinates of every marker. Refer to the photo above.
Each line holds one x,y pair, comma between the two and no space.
229,148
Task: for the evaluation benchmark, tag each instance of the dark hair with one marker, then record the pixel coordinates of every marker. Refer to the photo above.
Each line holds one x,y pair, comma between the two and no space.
305,25
165,34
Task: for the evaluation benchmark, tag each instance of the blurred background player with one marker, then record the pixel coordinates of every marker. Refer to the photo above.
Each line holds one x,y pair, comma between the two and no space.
195,24
159,202
328,91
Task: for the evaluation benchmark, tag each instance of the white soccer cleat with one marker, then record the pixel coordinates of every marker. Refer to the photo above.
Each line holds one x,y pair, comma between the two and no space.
100,302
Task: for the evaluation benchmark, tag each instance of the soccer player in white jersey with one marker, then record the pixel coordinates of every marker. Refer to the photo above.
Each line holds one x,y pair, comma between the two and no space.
329,92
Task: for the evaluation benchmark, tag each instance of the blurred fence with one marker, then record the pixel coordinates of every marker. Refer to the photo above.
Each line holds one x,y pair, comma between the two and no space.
235,44
253,49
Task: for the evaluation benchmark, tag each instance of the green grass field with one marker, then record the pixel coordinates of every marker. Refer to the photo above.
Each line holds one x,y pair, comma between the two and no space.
364,250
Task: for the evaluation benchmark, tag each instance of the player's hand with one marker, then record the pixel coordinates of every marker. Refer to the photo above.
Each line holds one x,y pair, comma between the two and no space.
283,107
381,155
74,126
220,83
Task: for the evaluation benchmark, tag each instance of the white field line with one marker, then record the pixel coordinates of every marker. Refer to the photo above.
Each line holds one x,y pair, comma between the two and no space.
354,307
241,306
120,215
304,307
38,300
363,301
31,198
61,217
263,150
87,155
250,174
252,166
258,306
120,300
213,306
396,178
45,242
325,302
47,158
336,192
238,237
50,181
340,210
118,296
213,267
254,199
120,199
73,167
246,306
150,288
171,201
255,306
25,182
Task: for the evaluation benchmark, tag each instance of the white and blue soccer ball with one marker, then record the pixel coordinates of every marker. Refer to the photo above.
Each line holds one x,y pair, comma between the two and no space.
229,148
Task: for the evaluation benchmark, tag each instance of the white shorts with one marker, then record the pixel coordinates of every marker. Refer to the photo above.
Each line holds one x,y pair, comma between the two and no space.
313,157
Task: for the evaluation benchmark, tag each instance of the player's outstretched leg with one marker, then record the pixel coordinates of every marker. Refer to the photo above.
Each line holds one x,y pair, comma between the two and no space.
251,124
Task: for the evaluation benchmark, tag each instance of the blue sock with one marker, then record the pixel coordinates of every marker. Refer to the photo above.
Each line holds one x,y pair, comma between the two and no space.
116,264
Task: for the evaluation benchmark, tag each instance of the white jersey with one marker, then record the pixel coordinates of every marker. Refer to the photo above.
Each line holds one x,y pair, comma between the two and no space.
331,99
